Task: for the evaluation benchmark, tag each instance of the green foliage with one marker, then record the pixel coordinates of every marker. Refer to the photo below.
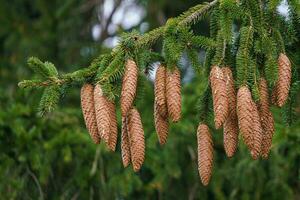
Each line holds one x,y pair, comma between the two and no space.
243,57
288,110
49,100
46,69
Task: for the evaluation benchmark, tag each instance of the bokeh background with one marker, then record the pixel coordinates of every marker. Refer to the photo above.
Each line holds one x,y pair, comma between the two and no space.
54,158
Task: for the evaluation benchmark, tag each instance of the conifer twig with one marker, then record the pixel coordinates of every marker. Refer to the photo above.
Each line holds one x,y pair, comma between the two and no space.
189,17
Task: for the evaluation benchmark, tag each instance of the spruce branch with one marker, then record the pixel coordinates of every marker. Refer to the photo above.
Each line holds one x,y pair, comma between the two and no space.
47,70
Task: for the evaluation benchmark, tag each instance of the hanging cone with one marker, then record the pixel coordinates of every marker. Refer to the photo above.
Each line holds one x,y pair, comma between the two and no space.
102,114
173,94
113,136
282,87
257,132
266,118
136,139
267,123
160,91
284,79
125,146
220,100
205,153
129,86
244,114
161,126
88,111
230,126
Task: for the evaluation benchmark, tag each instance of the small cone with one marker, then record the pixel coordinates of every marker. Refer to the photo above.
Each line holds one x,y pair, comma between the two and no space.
112,142
257,132
244,114
129,86
205,153
161,126
136,139
102,114
160,91
87,105
231,129
173,94
125,146
284,79
266,118
220,99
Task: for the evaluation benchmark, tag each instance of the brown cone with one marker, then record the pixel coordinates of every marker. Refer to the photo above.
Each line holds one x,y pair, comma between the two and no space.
266,118
129,86
113,126
136,139
205,153
284,79
125,146
87,105
267,123
160,91
220,100
102,114
257,132
161,126
230,126
173,94
244,114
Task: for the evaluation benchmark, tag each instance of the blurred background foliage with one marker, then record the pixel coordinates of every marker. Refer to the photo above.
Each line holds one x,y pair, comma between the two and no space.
54,158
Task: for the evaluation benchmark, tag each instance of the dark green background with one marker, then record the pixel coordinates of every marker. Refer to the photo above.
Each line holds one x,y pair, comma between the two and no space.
54,158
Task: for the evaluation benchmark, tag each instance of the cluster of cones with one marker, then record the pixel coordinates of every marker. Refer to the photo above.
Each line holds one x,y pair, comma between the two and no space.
240,113
167,102
234,111
101,121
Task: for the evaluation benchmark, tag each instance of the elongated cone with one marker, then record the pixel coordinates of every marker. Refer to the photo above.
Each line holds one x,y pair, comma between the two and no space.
113,136
257,132
136,139
102,114
125,146
160,91
161,126
129,86
284,79
220,99
266,118
244,114
205,153
173,94
87,105
230,126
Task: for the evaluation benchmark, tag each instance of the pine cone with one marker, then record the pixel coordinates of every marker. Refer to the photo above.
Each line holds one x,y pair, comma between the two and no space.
257,132
87,105
205,153
220,99
136,139
173,92
244,114
125,146
284,80
102,114
113,136
160,91
266,118
231,129
161,126
129,86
